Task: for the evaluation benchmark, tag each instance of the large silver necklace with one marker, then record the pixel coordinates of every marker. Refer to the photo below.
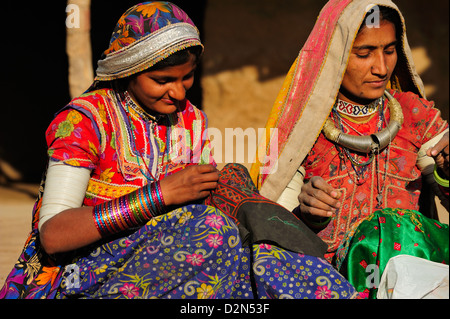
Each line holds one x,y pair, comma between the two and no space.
369,144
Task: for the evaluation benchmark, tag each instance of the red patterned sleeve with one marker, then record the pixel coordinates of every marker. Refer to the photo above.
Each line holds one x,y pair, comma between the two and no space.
422,120
72,138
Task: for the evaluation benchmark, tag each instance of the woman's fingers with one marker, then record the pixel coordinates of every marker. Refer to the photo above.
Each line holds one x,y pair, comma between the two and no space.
319,198
192,183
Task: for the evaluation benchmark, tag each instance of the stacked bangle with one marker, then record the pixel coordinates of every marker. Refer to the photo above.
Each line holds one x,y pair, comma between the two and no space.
441,181
131,210
316,225
320,224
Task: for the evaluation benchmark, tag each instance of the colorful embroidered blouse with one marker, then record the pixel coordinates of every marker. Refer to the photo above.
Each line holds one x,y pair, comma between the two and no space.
93,131
401,183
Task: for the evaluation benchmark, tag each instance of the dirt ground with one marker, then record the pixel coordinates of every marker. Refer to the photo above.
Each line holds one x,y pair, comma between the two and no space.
16,204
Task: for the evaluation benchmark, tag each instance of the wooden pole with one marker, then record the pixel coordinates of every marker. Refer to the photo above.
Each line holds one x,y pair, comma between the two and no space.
78,46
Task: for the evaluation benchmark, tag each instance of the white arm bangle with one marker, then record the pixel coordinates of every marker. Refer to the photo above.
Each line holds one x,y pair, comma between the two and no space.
424,162
65,187
289,198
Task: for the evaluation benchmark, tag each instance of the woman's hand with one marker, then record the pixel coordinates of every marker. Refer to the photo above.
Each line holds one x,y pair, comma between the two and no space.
440,153
318,198
190,184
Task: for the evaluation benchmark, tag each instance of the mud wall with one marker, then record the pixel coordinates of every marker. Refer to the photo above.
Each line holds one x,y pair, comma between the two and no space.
250,45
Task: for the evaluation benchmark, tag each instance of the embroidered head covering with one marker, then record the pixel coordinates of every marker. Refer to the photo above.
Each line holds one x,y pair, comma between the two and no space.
146,34
311,87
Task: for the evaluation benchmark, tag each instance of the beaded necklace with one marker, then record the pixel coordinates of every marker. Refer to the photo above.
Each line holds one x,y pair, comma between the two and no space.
338,118
370,143
361,167
355,110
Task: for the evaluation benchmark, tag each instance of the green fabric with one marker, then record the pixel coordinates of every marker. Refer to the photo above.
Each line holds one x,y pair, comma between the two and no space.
386,233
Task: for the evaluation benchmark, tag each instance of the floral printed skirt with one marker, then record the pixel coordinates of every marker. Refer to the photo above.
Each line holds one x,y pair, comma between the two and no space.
196,252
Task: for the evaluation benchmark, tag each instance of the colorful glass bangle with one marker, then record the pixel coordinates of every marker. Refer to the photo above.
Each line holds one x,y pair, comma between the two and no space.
123,210
147,208
121,220
160,196
313,224
321,223
130,210
151,205
97,221
134,209
156,199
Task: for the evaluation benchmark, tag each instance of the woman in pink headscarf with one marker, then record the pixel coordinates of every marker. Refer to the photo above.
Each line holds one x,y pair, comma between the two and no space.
353,129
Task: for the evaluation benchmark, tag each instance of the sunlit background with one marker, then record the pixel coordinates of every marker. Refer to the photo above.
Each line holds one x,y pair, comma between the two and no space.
250,45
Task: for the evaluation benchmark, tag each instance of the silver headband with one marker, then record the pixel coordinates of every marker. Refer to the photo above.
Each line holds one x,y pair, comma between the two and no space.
147,51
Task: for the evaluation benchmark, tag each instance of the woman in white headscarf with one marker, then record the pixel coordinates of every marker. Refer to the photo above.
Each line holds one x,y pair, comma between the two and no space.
353,128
